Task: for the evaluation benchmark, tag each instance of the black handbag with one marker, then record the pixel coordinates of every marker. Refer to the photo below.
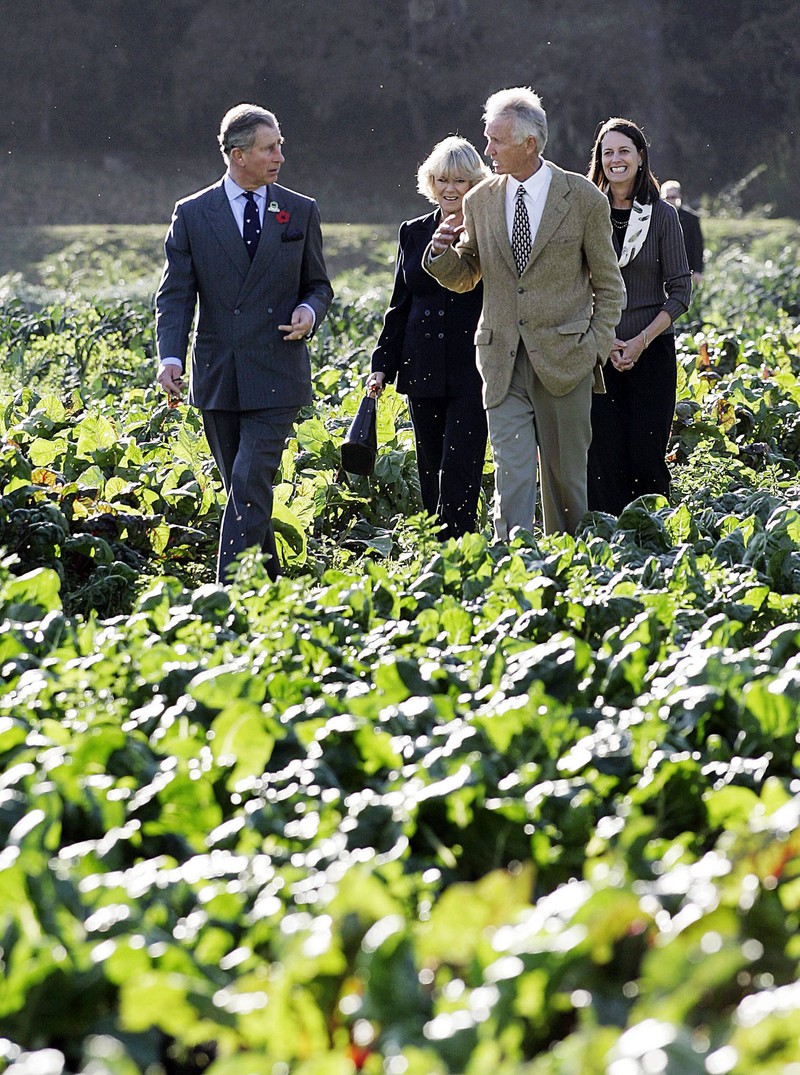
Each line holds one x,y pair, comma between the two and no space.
360,446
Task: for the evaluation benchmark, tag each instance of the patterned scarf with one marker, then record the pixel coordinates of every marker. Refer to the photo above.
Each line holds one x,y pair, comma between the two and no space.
636,232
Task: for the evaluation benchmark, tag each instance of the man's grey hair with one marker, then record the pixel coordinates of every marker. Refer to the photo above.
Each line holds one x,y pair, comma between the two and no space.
239,125
525,108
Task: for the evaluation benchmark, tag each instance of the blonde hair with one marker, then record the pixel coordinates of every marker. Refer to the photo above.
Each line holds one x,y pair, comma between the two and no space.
453,157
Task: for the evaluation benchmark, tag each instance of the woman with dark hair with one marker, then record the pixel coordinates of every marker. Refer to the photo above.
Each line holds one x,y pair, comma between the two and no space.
428,346
631,422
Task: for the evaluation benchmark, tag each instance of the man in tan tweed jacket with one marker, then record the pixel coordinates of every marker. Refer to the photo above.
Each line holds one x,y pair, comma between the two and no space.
552,297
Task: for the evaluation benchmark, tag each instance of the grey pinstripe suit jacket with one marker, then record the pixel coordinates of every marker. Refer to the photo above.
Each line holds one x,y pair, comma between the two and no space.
240,361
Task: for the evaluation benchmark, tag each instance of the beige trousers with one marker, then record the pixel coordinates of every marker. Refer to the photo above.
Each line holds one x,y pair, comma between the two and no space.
531,420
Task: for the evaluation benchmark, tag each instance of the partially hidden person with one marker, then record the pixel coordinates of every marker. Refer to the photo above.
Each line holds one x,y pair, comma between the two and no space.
245,279
631,423
689,218
427,347
539,238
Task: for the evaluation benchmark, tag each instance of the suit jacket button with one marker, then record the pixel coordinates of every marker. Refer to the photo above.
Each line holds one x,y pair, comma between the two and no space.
522,320
520,290
237,312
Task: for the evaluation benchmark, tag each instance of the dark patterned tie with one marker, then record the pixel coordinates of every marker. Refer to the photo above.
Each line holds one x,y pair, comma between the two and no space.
252,225
521,232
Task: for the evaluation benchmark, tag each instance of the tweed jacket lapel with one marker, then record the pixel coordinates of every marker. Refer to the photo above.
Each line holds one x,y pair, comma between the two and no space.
556,208
497,221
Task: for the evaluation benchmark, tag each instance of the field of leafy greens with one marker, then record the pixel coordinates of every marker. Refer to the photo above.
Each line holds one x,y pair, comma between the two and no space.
417,809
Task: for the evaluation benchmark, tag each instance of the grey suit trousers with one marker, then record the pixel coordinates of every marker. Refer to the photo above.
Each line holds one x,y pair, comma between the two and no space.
531,420
247,447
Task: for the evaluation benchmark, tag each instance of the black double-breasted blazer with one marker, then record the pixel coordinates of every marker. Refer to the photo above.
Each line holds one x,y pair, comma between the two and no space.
427,344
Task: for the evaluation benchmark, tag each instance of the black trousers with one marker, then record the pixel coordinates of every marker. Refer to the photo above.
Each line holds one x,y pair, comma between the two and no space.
630,429
247,447
450,435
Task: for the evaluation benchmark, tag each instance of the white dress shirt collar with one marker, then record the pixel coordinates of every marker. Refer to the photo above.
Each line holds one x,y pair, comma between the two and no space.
534,185
536,188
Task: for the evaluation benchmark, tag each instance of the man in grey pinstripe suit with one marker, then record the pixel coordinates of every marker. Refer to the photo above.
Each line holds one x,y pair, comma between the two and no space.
244,268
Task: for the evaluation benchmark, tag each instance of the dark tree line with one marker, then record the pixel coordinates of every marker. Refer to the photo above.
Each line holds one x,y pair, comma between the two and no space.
364,87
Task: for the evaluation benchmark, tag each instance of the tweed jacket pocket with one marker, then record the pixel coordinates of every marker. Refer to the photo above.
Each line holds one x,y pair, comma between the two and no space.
574,327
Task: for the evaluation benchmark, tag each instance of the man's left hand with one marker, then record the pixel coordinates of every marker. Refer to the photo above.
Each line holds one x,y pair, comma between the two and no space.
301,326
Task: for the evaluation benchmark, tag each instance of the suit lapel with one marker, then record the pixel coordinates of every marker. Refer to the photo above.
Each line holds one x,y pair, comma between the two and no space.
555,209
269,244
497,218
222,223
271,230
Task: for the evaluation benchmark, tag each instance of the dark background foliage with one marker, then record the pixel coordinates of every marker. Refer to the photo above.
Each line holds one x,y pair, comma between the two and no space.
110,107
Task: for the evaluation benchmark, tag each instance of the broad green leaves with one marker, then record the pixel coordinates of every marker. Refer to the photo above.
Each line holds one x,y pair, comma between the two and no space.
417,807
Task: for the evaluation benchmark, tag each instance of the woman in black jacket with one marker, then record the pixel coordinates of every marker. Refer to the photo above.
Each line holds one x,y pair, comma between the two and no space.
427,346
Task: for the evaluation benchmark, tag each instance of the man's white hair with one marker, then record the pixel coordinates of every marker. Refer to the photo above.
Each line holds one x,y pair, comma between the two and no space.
525,109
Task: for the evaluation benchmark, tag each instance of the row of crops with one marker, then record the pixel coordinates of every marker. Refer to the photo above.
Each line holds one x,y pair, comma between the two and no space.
416,809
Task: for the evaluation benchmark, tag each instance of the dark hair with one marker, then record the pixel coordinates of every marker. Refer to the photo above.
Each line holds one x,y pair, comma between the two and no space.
646,188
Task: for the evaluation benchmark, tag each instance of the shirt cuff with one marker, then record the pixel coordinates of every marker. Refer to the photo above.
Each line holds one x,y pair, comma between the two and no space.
313,315
170,362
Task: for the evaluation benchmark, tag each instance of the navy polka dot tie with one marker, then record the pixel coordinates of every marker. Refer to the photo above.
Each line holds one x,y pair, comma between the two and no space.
521,232
252,225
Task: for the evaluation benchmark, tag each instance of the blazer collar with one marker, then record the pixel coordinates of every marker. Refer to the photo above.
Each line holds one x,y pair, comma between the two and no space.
556,208
498,222
271,231
221,221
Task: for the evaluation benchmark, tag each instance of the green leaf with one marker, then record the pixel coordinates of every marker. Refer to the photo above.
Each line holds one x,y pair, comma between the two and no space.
32,595
242,739
217,687
95,432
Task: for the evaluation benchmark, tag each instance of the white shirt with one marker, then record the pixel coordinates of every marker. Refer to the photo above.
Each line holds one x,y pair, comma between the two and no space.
536,188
